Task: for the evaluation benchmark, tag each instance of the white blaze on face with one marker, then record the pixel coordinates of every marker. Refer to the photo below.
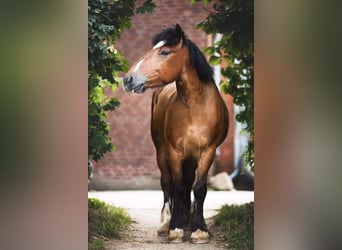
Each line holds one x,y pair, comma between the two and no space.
138,65
159,44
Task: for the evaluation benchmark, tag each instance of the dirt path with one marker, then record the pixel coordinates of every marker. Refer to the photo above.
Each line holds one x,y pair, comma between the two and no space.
143,235
144,208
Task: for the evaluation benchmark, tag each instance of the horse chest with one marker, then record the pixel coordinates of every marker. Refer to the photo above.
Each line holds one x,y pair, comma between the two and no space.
191,139
189,127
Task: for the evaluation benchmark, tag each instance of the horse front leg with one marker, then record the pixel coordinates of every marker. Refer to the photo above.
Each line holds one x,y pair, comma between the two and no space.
199,229
176,232
166,210
165,182
188,169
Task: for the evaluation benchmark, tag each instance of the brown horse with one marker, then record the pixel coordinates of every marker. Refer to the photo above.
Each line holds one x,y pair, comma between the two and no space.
189,120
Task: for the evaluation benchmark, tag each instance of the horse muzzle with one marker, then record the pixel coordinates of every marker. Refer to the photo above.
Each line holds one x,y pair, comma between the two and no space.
134,83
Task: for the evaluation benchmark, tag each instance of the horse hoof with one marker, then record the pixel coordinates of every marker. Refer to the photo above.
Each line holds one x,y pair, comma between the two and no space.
199,237
176,235
161,233
163,229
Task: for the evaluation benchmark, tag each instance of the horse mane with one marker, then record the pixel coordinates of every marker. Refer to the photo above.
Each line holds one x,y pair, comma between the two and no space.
197,59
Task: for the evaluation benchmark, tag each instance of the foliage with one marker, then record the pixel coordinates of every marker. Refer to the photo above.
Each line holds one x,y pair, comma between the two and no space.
237,225
234,19
147,7
105,221
106,20
96,244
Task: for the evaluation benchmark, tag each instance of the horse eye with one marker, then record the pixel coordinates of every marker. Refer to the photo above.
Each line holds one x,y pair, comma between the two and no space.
164,53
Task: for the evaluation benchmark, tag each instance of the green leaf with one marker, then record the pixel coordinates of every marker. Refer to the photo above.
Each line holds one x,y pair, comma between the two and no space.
209,50
112,104
214,60
114,87
147,7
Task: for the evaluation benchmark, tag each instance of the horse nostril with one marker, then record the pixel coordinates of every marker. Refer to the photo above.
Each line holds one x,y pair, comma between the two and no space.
128,79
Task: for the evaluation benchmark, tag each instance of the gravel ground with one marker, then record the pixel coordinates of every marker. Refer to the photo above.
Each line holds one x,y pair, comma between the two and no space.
144,208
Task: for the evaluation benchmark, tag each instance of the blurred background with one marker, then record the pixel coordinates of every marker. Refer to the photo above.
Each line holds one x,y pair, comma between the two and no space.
44,120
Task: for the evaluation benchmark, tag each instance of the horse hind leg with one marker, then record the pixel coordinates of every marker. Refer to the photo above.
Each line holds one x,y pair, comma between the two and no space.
165,219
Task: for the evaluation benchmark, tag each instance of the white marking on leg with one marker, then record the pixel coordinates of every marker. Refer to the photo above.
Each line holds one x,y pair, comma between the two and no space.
166,214
159,44
176,235
165,219
199,237
138,65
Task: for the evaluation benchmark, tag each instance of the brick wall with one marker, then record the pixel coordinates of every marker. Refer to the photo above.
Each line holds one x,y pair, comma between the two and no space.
133,165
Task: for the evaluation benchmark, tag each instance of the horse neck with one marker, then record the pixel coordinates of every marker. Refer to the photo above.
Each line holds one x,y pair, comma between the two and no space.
190,88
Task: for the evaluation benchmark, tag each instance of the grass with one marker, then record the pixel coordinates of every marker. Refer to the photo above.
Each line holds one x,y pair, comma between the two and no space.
104,222
96,244
237,225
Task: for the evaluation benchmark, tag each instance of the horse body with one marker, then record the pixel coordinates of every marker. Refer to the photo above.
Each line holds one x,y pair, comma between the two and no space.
189,128
189,120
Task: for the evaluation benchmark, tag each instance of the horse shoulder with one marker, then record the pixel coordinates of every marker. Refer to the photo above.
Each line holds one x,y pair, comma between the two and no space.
161,100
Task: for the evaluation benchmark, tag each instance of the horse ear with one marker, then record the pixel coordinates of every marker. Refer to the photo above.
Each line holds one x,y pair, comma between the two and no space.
179,32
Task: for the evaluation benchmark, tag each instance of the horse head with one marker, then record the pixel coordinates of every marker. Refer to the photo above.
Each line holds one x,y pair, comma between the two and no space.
161,65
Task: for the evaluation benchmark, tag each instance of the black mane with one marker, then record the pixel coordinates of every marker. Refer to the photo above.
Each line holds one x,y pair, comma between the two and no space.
197,59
